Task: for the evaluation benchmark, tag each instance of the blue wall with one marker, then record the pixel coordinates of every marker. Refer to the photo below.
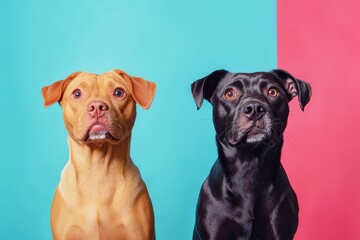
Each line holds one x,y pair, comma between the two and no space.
172,43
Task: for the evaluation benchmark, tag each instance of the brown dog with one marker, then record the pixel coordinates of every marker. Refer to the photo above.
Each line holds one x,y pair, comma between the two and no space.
100,194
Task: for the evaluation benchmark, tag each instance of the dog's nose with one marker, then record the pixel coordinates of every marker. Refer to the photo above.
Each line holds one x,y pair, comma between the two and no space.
254,110
97,108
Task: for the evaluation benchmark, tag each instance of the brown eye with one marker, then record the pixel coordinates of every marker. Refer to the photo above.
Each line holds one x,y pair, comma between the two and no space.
119,93
273,92
230,94
77,93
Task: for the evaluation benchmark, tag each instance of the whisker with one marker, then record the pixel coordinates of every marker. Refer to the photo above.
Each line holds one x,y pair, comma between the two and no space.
227,130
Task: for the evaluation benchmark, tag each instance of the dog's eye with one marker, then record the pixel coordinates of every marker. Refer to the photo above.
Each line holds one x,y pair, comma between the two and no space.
273,92
230,94
77,93
119,93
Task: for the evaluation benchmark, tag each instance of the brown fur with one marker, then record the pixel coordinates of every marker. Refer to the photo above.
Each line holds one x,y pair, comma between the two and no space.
101,194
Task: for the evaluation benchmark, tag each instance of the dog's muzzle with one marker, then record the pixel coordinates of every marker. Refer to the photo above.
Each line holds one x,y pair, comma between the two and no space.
252,124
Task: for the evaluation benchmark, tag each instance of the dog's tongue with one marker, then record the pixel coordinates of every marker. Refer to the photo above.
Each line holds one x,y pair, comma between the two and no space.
98,129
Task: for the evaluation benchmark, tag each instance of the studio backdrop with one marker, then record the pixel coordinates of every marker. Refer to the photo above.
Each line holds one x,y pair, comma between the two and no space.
174,43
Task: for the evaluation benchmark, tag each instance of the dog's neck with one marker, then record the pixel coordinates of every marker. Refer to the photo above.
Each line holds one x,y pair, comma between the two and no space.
96,171
105,159
257,163
100,155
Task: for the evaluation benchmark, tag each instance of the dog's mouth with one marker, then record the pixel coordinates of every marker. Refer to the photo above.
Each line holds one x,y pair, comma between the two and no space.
255,135
251,132
99,133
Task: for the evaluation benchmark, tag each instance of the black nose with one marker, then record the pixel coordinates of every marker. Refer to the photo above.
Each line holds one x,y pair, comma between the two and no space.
254,110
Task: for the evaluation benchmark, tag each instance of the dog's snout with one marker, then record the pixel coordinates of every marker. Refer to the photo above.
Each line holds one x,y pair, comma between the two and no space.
254,110
97,108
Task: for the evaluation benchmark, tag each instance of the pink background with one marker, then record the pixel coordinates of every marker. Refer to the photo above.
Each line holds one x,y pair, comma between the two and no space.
319,41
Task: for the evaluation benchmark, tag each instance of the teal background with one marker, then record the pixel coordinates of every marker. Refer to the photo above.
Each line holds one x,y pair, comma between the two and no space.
172,43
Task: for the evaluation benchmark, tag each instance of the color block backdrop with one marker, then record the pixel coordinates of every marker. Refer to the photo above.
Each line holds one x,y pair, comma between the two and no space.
170,43
320,41
173,144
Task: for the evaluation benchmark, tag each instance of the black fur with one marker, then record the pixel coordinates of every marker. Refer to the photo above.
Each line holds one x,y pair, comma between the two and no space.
247,194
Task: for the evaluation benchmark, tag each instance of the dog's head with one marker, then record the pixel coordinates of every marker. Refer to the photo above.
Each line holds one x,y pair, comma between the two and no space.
250,108
99,108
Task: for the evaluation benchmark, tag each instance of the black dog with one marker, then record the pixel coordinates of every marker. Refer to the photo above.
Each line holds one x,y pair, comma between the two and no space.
247,194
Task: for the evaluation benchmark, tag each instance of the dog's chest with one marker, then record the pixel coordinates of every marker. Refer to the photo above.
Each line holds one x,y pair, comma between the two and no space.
97,224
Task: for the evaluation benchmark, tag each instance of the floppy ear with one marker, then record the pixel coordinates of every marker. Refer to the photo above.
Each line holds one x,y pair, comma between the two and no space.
143,91
54,92
294,87
205,87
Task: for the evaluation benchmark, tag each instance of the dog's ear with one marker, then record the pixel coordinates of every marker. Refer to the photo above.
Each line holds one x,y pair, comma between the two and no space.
294,87
143,91
54,92
205,87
